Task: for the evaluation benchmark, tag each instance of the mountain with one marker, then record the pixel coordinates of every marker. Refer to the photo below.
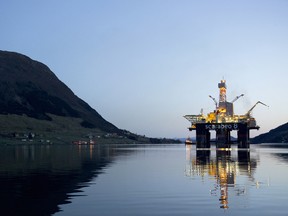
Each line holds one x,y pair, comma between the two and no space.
277,135
33,99
30,87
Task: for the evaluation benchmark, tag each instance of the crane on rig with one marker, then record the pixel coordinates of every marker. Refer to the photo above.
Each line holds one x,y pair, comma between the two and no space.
248,118
248,114
214,100
237,98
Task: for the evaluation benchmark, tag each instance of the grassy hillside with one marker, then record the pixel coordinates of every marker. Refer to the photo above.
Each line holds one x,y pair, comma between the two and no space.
15,129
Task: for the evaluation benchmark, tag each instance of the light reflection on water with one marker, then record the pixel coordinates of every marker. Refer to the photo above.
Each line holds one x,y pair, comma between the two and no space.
227,169
143,180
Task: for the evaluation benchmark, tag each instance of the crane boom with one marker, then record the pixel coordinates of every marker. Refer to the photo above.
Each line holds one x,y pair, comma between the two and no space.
237,98
213,100
250,110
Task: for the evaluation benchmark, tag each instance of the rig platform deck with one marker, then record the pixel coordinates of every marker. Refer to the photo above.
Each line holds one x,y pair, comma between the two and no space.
223,121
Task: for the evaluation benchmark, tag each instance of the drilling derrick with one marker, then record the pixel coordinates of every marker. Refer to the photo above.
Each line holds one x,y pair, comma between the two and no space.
223,121
222,93
224,107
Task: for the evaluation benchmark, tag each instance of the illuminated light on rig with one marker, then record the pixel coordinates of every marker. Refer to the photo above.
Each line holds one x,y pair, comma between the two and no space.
223,121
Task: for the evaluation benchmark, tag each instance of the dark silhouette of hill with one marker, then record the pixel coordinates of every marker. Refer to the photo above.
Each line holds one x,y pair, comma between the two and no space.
34,101
29,87
277,135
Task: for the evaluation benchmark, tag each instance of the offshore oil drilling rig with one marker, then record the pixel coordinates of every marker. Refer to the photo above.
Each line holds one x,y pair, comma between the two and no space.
223,121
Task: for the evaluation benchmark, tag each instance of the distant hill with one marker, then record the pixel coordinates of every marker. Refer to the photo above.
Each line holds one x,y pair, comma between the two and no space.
30,90
277,135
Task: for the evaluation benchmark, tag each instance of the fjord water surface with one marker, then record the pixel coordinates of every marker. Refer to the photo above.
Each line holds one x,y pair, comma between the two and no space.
143,180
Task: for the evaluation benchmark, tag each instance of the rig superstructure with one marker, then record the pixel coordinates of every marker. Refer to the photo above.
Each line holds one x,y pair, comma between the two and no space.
223,121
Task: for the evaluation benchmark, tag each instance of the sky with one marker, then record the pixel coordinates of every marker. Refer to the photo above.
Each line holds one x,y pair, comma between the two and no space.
143,65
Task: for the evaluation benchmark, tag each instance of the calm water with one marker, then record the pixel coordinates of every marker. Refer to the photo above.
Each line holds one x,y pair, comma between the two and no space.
143,180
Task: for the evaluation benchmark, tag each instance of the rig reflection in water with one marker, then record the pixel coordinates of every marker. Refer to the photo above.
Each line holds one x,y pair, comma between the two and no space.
224,166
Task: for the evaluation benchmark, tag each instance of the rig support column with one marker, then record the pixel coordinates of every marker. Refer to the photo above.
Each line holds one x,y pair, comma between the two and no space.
243,136
223,138
202,136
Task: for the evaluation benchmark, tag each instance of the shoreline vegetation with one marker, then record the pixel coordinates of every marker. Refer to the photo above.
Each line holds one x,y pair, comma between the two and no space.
21,129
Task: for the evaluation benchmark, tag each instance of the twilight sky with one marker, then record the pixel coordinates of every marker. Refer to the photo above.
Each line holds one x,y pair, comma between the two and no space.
144,64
